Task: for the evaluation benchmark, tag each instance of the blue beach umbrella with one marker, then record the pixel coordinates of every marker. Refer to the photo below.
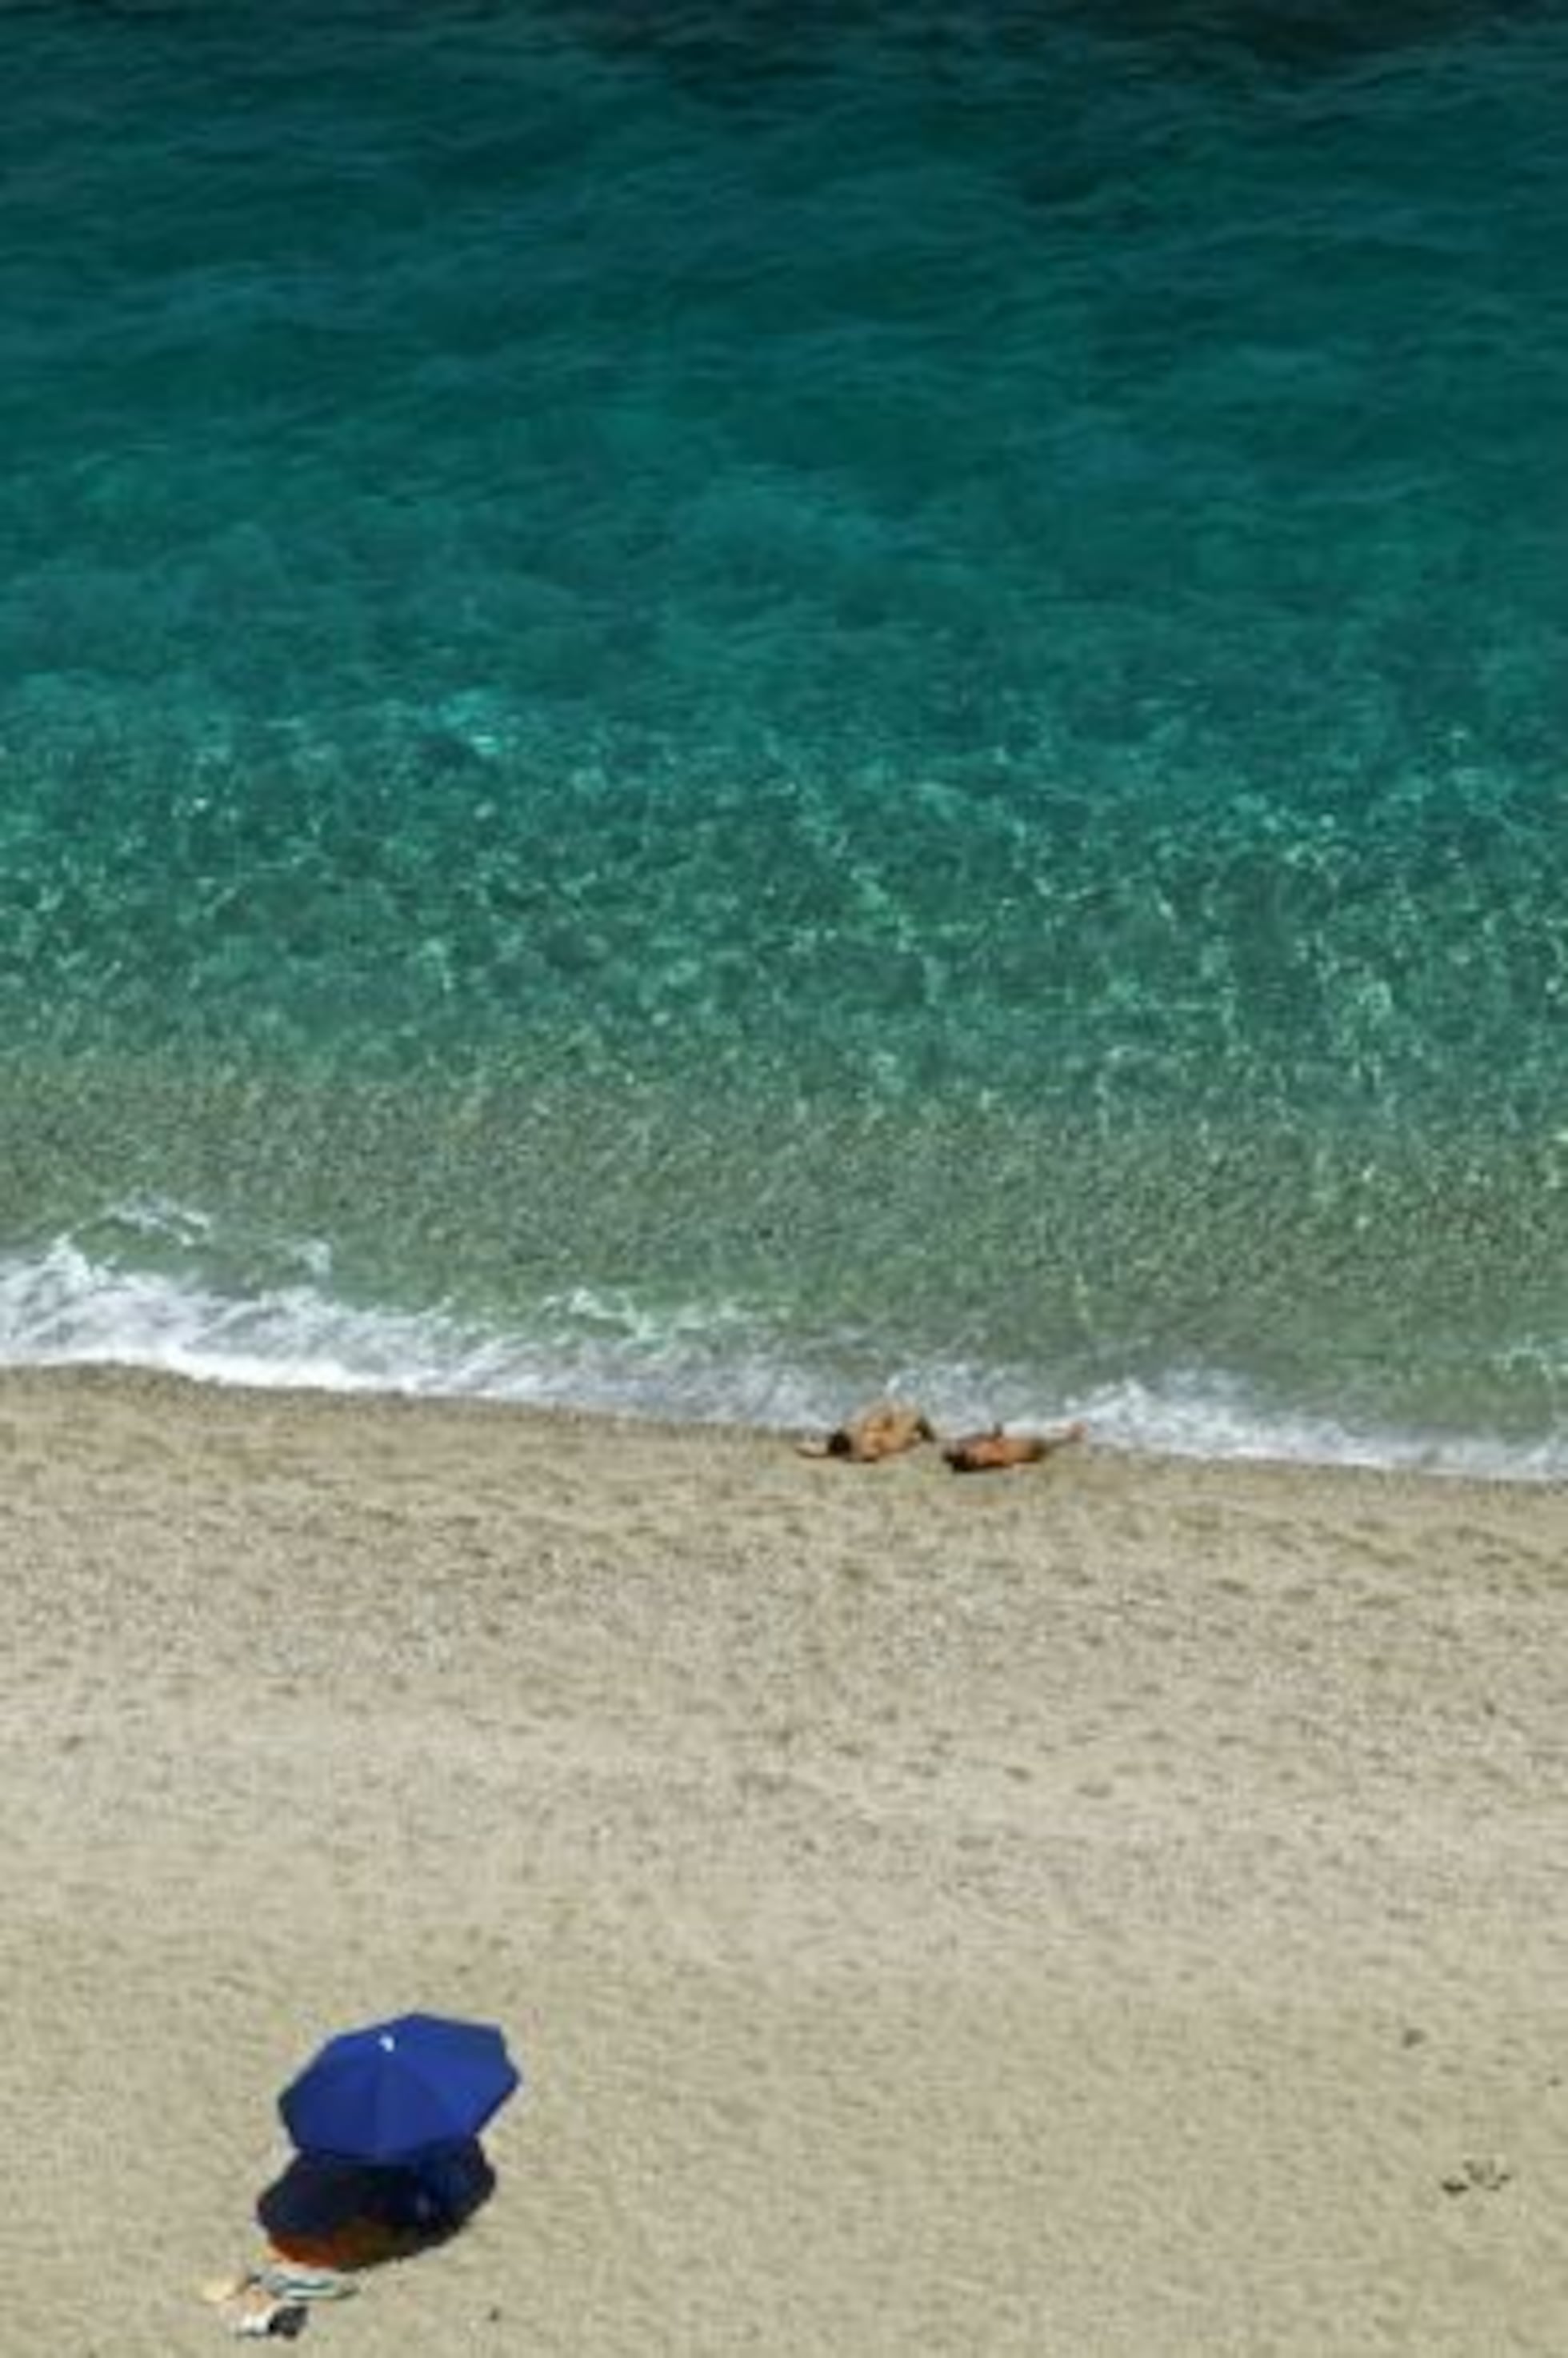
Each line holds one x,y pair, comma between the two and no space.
388,2093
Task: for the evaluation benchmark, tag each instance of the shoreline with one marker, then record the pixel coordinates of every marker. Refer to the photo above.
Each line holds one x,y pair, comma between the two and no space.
1096,1908
293,1404
1220,1433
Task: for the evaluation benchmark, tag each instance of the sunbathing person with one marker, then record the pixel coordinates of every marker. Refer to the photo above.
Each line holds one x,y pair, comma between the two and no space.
997,1451
883,1430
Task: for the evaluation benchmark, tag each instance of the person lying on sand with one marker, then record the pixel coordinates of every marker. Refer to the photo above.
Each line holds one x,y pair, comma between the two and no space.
997,1451
880,1430
889,1427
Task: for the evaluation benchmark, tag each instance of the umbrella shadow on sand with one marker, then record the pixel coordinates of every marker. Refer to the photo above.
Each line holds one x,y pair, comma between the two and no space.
329,2222
323,2212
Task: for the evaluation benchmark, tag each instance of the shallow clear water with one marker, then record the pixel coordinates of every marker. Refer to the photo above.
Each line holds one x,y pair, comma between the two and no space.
702,708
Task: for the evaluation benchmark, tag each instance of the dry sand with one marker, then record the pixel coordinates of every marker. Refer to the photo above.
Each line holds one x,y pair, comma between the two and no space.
1086,1911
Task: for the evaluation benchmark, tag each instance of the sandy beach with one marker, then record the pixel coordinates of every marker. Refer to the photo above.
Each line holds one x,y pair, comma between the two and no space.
1091,1910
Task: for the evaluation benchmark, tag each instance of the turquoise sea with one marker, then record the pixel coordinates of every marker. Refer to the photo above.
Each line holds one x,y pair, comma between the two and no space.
706,706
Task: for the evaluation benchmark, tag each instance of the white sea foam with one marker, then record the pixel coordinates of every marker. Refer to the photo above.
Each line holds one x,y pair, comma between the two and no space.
719,1363
66,1308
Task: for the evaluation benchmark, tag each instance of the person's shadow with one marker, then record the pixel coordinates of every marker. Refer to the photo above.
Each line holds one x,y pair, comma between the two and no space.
326,2213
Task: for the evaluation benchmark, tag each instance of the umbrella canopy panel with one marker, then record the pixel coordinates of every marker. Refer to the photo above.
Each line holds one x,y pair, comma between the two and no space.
395,2089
